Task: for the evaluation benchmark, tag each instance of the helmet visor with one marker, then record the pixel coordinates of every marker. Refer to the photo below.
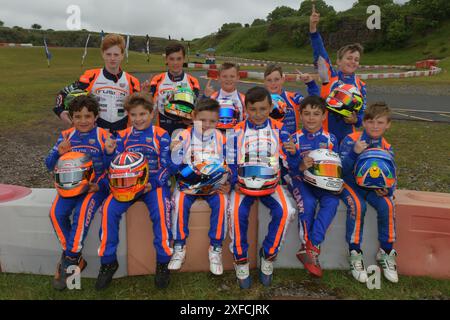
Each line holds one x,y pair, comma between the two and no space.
343,97
63,178
126,180
257,171
327,170
226,112
184,96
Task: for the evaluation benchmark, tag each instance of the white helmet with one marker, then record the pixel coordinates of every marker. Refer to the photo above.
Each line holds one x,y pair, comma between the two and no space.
326,173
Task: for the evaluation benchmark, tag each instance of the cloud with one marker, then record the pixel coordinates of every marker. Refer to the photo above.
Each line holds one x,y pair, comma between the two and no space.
177,18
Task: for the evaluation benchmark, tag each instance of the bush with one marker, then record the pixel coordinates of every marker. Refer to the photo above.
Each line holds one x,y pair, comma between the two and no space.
397,34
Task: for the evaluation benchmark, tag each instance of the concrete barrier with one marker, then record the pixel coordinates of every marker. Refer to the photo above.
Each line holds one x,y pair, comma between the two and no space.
28,243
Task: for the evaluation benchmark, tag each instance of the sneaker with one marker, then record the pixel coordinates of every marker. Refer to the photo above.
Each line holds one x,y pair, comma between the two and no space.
215,260
179,254
308,254
387,262
357,266
105,275
243,274
265,270
61,275
162,276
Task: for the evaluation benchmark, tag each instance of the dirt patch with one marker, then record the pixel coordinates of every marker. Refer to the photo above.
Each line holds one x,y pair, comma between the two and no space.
24,150
304,290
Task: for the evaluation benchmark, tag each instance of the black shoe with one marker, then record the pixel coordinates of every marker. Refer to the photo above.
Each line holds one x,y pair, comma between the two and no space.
105,275
61,275
162,275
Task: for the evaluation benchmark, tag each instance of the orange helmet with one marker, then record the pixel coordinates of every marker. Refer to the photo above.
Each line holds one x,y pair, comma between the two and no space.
73,172
128,176
257,179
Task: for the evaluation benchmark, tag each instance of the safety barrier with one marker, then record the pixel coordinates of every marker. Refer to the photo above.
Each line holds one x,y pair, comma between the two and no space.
28,243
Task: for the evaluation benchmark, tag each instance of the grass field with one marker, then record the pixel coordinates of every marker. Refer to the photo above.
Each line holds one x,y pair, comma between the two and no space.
288,283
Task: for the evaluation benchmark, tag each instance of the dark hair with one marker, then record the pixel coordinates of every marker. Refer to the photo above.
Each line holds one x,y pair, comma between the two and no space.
138,99
84,101
207,104
228,65
314,102
350,47
377,109
172,48
257,94
272,68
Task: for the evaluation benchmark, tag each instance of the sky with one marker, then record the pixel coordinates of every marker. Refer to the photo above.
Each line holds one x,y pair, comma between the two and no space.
160,18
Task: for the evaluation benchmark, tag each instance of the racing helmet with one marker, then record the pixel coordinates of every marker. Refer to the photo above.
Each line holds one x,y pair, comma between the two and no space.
375,168
72,95
128,176
326,172
257,179
228,114
203,178
72,173
279,107
181,103
345,99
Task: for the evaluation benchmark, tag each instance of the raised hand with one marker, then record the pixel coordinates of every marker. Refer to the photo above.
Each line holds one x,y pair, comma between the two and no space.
290,147
64,146
110,145
65,117
314,19
145,87
307,163
351,119
360,145
305,77
209,90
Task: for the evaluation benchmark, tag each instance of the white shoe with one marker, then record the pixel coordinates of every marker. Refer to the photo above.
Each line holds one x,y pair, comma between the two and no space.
179,254
387,262
357,266
266,266
242,271
215,260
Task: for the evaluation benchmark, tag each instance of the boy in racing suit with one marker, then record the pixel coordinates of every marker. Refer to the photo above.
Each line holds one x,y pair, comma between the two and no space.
311,137
347,62
258,139
153,142
164,84
85,137
377,119
193,147
110,85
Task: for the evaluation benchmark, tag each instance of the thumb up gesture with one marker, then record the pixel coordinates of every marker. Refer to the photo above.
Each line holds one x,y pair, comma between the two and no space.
314,19
110,145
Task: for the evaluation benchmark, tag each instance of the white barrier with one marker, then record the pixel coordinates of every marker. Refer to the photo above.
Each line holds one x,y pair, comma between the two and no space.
28,243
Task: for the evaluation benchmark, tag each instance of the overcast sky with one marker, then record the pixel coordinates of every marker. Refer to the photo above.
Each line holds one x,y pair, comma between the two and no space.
178,18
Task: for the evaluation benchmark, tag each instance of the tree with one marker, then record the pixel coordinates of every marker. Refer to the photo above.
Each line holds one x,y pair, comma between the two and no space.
281,12
36,26
258,22
247,25
1,23
321,7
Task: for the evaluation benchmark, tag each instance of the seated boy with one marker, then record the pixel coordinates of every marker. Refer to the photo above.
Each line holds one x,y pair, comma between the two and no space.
85,137
347,63
377,119
193,147
254,156
228,79
311,137
153,142
274,81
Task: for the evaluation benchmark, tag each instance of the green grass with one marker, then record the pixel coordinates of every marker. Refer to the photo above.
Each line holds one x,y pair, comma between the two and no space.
203,286
28,85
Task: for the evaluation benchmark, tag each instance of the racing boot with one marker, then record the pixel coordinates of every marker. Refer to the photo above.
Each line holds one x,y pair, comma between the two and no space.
105,275
61,275
162,276
308,254
388,263
265,269
357,266
178,257
243,274
215,260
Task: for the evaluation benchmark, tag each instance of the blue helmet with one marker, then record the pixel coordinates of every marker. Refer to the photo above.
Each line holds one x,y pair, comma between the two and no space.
375,168
204,178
